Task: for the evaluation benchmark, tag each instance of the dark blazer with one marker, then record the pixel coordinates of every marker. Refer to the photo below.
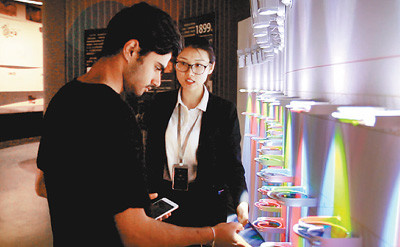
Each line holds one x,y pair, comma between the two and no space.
219,155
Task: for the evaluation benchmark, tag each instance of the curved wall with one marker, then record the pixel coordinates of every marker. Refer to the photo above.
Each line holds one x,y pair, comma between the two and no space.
345,51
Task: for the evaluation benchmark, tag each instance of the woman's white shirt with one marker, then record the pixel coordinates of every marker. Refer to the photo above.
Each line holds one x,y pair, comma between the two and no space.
188,117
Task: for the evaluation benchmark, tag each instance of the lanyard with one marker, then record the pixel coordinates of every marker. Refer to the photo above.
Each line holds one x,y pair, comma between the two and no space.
183,148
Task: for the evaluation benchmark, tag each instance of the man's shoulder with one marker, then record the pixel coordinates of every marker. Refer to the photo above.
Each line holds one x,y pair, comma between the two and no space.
80,90
76,94
77,105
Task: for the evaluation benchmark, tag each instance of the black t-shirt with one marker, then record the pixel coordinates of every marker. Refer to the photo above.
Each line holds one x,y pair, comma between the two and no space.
91,156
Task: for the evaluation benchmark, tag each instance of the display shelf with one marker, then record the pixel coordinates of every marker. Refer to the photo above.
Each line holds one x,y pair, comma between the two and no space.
276,244
274,133
377,117
272,121
271,150
293,199
268,138
339,231
292,196
35,105
279,137
356,115
271,175
271,142
270,225
267,188
262,91
265,94
302,232
325,231
270,160
269,205
260,139
259,116
284,101
279,100
251,114
312,107
275,127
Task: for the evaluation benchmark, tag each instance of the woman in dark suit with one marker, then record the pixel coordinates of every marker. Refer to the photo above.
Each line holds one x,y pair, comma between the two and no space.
193,145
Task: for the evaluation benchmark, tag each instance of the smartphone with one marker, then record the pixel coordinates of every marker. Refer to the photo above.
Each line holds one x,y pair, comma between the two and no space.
162,207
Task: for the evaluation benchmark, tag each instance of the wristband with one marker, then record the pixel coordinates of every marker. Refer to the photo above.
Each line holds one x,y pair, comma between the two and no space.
213,231
213,242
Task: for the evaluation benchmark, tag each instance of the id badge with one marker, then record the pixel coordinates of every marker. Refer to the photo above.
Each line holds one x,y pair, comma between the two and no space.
180,177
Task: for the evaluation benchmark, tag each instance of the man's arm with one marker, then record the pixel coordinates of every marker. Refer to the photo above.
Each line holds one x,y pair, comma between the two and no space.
40,187
137,229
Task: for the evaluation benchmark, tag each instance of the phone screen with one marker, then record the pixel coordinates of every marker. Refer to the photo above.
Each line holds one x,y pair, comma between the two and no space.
159,207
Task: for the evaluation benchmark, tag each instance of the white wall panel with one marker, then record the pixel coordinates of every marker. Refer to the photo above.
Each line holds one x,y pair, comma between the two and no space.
344,51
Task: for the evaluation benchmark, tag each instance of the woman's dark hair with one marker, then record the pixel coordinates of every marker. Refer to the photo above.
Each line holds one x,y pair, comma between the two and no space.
201,43
153,28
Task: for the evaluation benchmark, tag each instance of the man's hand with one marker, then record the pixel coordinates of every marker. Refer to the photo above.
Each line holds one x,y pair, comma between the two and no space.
154,196
226,235
40,186
242,211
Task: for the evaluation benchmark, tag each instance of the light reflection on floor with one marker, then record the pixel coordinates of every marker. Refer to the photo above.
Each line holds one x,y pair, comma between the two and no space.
24,217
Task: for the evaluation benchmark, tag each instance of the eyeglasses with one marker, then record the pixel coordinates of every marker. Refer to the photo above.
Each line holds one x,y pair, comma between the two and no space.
198,69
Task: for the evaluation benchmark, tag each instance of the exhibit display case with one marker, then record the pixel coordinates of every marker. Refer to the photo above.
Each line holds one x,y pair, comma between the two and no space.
321,123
